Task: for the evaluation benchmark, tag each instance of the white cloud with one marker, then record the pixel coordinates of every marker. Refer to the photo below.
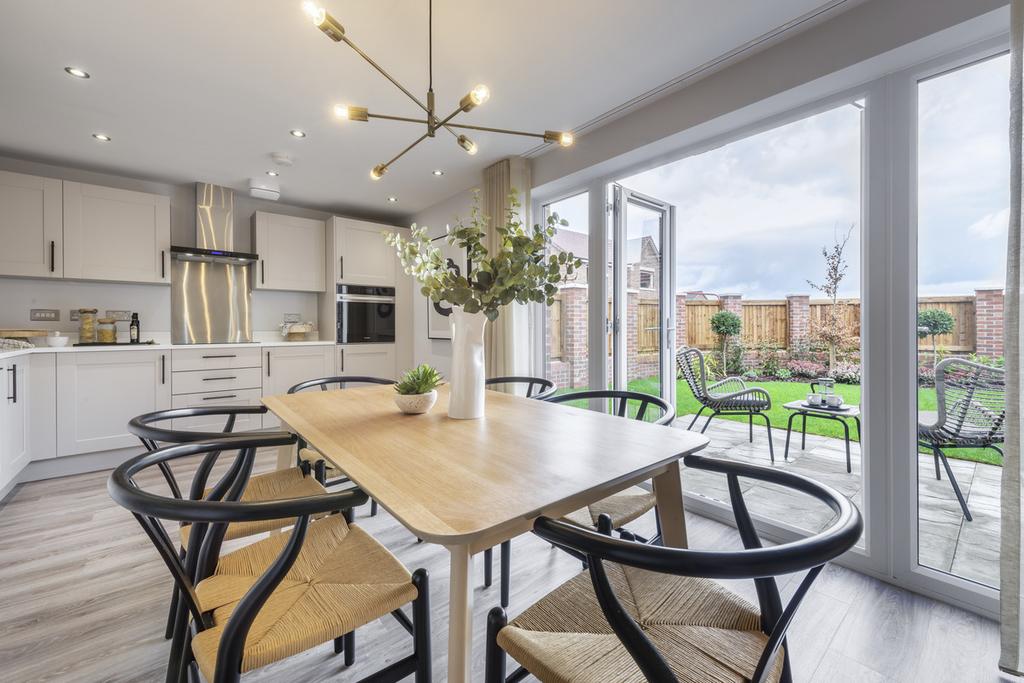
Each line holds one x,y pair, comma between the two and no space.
991,225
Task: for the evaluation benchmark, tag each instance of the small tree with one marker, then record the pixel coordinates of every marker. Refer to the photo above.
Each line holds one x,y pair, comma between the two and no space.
725,324
932,322
832,329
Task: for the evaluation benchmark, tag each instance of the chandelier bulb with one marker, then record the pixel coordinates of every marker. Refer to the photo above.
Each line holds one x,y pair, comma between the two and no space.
351,113
323,20
378,171
316,13
563,138
468,145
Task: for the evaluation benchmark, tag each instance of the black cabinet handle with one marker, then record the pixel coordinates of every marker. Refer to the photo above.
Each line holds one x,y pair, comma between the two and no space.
14,383
342,360
53,262
263,272
341,263
163,267
268,363
217,379
223,355
163,368
217,398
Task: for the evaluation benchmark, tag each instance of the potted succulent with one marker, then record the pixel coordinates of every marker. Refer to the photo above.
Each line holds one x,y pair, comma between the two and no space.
521,269
417,390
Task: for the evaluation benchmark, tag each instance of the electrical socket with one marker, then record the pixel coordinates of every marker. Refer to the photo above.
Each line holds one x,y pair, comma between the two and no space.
291,317
120,316
47,315
74,317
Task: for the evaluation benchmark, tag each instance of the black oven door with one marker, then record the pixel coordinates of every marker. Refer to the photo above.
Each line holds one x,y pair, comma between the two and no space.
366,315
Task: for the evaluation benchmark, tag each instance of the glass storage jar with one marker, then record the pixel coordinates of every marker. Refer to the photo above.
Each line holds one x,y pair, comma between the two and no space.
86,325
106,331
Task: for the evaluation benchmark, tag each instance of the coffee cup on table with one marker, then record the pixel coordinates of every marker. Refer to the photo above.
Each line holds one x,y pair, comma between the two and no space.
834,400
814,399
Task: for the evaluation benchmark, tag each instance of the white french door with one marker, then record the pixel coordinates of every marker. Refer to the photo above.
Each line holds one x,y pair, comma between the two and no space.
642,314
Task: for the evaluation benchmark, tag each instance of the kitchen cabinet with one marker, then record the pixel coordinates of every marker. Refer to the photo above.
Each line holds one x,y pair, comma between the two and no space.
286,366
100,391
31,226
42,405
367,360
14,416
291,252
218,399
116,235
361,256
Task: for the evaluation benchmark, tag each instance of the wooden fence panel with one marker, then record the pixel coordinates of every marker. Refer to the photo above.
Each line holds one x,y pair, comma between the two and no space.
698,324
647,327
765,321
555,330
962,310
818,309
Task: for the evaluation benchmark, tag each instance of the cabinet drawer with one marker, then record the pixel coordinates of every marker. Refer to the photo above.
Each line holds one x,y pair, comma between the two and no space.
214,359
240,397
222,379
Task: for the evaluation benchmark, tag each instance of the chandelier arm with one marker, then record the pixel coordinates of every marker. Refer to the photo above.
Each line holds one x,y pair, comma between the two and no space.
384,73
403,152
445,120
388,117
497,130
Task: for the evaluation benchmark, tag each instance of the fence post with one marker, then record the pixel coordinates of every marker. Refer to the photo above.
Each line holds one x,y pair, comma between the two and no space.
732,302
988,322
798,318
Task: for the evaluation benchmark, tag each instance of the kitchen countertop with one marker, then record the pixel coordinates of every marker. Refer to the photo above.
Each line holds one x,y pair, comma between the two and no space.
156,347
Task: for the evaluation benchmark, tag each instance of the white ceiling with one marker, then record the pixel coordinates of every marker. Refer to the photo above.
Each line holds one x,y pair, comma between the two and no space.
199,90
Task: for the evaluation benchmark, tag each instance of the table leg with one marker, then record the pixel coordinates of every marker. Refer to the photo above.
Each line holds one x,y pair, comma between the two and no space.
789,430
803,435
668,490
460,615
285,454
846,437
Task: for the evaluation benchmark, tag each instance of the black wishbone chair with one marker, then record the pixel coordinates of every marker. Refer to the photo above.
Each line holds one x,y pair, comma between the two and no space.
540,389
669,621
306,454
278,596
291,483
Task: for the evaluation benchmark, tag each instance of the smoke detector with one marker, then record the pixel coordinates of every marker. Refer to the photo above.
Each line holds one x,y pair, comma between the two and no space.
264,188
281,159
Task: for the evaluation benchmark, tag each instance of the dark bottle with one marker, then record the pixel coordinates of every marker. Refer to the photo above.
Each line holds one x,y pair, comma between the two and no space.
133,329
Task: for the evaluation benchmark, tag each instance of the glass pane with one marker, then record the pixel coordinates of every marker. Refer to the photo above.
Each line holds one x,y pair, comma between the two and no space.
565,351
758,223
963,210
643,307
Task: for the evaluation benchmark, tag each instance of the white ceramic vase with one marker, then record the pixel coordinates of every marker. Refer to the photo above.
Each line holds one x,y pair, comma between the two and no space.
466,401
416,404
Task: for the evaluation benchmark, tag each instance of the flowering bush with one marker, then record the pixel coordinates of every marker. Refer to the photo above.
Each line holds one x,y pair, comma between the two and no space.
806,368
846,373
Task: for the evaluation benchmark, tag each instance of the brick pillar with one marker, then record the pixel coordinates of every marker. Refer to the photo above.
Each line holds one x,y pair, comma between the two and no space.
988,322
574,330
732,302
680,321
798,318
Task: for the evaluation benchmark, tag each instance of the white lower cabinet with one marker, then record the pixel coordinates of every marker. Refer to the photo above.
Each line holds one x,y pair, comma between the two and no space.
42,406
367,360
219,399
98,392
286,366
14,415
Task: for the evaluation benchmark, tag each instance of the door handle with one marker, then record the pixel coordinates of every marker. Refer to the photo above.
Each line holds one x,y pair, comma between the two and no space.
163,264
263,272
217,398
163,368
341,264
14,383
342,360
217,379
268,363
222,355
53,262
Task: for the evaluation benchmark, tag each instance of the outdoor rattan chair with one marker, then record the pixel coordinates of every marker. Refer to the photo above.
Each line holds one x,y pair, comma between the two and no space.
731,396
278,596
326,473
647,613
539,388
290,483
971,399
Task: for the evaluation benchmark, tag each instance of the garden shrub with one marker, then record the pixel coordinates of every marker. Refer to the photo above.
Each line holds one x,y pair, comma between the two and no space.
749,374
783,373
769,359
846,373
806,368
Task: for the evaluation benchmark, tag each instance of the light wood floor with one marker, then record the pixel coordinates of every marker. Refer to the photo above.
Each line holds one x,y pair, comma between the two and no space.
83,597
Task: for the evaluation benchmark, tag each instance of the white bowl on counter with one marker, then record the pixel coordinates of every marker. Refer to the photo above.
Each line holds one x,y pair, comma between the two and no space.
57,341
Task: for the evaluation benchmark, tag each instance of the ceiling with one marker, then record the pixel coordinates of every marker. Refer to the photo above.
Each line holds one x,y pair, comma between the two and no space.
197,90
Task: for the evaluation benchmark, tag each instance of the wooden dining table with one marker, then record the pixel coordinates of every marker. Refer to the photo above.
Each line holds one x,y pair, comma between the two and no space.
469,485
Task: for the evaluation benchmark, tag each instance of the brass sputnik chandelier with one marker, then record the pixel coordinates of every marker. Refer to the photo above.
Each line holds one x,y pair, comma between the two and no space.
474,98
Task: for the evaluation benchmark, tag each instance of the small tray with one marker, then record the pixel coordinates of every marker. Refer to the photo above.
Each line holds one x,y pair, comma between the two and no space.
840,409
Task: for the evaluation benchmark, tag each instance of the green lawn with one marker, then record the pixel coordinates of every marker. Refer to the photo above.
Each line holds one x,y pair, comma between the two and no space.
784,392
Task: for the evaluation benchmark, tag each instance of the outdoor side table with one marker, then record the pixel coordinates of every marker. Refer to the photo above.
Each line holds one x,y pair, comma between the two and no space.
801,409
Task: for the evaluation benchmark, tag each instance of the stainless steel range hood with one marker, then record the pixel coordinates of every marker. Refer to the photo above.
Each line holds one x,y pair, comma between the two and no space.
211,290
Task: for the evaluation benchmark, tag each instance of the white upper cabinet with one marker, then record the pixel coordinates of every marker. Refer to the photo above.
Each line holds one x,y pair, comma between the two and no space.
31,243
117,235
361,257
291,252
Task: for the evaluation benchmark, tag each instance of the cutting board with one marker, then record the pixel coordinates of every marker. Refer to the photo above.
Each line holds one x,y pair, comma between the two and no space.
22,334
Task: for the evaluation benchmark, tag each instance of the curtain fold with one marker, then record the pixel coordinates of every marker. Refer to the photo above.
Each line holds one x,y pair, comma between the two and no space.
507,342
1011,657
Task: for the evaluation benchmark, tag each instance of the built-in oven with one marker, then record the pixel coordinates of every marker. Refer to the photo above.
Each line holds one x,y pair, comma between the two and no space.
366,315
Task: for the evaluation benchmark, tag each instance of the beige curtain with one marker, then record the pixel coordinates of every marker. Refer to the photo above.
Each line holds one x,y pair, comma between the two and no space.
506,342
1011,657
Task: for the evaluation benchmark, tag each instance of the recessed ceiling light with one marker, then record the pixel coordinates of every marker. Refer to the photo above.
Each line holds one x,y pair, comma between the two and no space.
298,133
437,172
392,199
76,72
102,137
273,174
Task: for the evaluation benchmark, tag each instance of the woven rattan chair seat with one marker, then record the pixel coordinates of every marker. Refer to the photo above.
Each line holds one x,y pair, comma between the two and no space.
623,507
279,485
342,579
705,632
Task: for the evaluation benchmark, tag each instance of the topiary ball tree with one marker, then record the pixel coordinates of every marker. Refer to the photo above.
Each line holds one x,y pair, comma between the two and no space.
725,324
932,322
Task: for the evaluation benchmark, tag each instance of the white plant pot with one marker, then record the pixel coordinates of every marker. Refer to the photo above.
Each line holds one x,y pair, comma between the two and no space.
415,404
466,401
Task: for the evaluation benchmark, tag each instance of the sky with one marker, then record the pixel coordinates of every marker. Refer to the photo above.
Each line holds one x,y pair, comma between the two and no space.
753,215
